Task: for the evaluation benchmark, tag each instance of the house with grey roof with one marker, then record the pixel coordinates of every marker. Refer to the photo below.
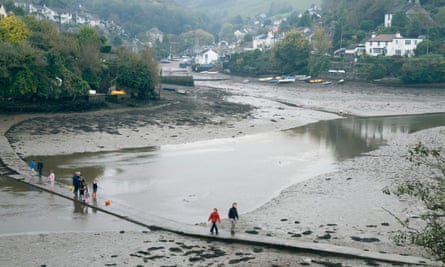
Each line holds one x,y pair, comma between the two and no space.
391,45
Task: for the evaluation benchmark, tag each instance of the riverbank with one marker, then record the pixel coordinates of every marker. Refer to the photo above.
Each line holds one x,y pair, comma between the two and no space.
340,208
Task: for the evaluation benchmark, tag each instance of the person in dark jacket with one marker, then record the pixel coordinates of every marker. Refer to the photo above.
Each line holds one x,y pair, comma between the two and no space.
233,217
76,182
39,167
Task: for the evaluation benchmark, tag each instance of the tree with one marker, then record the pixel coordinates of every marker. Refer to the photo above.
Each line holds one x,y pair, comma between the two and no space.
13,30
90,42
399,22
305,20
292,53
321,42
198,37
429,190
226,32
138,72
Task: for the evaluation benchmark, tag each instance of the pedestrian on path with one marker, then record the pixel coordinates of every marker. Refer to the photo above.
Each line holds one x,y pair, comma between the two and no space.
82,188
40,167
32,165
94,188
52,177
76,179
233,217
214,218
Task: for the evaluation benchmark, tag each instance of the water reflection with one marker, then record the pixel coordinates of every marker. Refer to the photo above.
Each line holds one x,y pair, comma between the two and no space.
351,137
25,209
182,182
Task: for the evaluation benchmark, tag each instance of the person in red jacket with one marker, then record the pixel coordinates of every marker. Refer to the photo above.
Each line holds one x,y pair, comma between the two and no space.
214,218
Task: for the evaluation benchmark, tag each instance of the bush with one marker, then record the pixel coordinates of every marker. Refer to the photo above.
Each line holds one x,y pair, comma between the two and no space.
430,190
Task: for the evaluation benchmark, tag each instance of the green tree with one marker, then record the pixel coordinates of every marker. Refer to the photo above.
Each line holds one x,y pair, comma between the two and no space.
292,54
226,32
305,20
439,17
90,43
321,41
199,37
137,72
429,189
424,70
399,22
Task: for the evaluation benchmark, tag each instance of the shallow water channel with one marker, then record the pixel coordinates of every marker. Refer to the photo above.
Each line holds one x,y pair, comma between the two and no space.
184,182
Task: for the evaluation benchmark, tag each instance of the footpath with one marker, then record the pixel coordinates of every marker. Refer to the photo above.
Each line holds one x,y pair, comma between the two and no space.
12,166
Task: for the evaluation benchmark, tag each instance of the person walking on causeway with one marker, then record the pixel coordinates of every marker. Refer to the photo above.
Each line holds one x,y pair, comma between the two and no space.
214,218
233,217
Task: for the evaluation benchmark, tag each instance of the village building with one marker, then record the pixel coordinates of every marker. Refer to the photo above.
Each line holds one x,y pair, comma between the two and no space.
3,13
207,56
391,45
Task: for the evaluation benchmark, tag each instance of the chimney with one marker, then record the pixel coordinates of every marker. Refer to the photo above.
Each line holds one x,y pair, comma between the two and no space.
373,35
398,35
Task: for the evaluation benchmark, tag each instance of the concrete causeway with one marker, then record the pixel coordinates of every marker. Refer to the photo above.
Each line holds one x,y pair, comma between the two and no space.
12,166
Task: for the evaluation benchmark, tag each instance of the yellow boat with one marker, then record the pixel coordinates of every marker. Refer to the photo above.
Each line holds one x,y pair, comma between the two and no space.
117,92
315,80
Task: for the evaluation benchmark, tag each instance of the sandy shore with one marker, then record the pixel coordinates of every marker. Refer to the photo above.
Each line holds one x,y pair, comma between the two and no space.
344,208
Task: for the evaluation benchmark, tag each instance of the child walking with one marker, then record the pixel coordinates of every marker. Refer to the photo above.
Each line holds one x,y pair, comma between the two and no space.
214,218
52,177
94,188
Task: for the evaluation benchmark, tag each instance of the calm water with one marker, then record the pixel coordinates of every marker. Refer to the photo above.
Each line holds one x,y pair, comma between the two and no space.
184,182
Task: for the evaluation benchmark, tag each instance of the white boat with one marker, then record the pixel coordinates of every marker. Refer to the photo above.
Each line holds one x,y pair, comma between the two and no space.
302,77
266,79
287,79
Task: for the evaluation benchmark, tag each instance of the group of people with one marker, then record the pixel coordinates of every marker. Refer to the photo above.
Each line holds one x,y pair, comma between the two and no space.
32,166
214,218
80,185
51,176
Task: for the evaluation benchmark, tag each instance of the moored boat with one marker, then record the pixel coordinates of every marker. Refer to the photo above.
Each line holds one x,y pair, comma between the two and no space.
287,79
315,80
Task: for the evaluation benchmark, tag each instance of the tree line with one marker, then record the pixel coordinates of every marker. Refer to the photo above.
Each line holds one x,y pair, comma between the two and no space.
38,61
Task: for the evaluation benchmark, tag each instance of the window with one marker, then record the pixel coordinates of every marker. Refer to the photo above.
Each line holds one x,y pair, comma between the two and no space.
407,42
378,51
398,52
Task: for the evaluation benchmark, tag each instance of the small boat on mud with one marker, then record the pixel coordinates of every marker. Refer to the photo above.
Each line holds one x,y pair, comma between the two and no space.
315,80
302,77
265,79
287,79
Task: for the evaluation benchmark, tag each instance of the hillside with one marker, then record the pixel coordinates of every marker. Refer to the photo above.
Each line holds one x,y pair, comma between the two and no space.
225,9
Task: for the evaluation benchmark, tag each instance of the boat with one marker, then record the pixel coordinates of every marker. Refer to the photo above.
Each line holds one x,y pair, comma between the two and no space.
117,92
341,81
287,79
326,83
315,80
275,79
265,79
302,77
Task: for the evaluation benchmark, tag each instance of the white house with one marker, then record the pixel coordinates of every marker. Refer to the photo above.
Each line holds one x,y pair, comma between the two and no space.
3,13
391,45
263,42
207,56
